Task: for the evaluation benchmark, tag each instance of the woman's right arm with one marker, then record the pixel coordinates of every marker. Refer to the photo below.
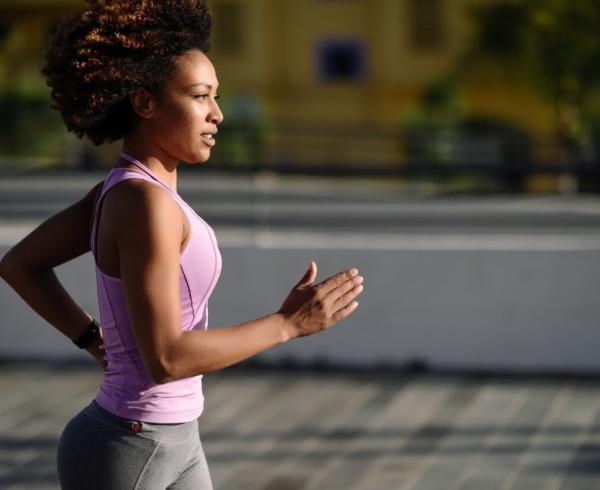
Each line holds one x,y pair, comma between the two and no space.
149,242
307,310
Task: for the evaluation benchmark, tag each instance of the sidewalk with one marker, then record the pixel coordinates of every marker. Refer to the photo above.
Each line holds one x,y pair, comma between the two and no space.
299,431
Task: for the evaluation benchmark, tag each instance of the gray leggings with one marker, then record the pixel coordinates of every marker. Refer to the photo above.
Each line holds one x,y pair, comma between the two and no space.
100,451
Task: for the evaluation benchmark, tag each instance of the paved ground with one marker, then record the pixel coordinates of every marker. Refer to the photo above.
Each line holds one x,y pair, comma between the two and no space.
291,430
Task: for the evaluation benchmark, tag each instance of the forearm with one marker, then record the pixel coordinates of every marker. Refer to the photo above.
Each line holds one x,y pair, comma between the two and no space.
43,292
202,351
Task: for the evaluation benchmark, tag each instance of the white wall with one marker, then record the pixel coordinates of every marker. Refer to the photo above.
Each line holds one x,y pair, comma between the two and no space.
474,303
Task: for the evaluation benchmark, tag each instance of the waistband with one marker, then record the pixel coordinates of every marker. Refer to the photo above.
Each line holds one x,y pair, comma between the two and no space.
164,433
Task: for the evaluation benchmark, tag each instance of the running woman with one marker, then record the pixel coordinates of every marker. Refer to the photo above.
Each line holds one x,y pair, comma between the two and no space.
137,71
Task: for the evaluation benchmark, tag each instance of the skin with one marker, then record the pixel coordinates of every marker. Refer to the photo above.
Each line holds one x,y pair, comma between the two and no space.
141,233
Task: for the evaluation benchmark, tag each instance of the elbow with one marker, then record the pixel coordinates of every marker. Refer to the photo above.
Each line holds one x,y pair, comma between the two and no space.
161,378
8,266
167,362
3,270
161,372
14,270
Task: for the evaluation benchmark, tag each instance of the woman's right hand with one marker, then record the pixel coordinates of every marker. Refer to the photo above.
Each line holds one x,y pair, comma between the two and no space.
311,308
96,349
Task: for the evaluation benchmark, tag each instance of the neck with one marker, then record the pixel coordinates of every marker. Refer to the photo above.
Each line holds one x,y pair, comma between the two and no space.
164,167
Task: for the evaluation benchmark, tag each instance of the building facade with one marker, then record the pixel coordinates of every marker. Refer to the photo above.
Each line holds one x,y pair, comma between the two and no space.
307,65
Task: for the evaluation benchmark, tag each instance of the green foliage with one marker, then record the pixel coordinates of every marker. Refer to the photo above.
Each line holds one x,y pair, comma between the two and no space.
432,125
29,127
566,46
556,46
502,28
439,106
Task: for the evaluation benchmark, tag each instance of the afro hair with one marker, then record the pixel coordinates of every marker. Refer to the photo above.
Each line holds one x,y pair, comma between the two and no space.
97,58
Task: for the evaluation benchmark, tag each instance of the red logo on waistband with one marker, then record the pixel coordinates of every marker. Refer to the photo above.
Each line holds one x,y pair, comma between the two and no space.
136,426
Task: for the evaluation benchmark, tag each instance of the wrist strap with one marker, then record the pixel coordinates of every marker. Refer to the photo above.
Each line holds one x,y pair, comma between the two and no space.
88,336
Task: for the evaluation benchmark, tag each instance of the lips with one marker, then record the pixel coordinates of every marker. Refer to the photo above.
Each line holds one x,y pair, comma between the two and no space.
208,138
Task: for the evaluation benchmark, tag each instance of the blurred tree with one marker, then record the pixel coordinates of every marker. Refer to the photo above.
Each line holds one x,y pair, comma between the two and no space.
556,46
29,129
442,138
431,125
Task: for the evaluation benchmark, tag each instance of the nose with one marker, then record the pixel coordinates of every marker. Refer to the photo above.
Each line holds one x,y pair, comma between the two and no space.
215,116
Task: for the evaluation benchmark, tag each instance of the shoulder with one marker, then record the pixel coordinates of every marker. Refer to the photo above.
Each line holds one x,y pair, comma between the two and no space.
142,206
140,193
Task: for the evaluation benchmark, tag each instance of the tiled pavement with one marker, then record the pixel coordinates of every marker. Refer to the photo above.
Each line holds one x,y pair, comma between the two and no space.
360,431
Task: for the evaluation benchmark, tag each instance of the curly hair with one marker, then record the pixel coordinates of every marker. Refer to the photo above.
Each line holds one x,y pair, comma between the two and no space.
97,58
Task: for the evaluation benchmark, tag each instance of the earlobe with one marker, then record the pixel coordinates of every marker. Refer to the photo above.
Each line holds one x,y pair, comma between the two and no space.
142,103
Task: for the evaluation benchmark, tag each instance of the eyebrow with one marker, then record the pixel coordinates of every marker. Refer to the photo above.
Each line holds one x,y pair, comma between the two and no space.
201,83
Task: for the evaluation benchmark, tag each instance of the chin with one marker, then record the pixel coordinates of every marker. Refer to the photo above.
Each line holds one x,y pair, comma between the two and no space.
197,158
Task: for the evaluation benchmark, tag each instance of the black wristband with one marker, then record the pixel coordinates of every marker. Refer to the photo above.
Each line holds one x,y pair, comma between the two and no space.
87,337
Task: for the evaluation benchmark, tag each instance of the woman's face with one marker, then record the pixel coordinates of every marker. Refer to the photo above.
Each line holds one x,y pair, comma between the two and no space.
186,116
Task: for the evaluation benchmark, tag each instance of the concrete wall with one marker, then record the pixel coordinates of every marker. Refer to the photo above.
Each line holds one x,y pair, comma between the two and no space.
483,305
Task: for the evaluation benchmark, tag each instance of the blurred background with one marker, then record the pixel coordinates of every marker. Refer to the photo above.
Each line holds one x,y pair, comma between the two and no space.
449,149
474,95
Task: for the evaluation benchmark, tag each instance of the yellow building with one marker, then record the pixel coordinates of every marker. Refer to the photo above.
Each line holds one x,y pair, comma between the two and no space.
319,64
277,48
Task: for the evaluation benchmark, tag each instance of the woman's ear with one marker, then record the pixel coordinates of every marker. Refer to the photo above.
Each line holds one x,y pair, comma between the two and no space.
143,103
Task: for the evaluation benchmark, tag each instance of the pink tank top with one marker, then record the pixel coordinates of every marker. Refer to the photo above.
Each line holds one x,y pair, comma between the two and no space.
127,389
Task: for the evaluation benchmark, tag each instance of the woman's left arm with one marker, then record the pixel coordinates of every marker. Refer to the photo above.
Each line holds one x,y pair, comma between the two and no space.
28,268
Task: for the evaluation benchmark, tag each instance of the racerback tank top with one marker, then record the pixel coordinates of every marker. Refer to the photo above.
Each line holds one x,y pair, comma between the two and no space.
127,389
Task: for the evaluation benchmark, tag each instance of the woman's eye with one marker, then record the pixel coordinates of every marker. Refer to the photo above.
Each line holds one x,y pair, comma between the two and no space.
204,96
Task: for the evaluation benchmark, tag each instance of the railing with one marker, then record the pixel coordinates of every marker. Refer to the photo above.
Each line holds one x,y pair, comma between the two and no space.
506,156
502,156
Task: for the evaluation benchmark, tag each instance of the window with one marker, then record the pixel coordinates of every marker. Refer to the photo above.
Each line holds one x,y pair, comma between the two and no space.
426,24
228,34
341,60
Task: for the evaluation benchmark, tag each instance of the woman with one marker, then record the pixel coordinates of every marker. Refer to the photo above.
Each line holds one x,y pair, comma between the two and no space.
138,71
